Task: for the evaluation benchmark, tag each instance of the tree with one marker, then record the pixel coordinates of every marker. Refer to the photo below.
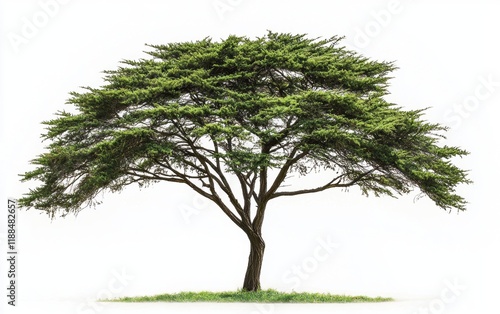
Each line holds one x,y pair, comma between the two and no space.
232,120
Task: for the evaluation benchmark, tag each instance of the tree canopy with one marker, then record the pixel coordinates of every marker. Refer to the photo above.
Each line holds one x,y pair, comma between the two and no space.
197,112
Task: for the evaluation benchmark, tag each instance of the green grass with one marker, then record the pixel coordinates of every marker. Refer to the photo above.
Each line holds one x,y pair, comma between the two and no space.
263,296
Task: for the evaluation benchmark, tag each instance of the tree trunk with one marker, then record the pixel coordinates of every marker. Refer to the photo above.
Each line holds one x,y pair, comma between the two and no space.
252,276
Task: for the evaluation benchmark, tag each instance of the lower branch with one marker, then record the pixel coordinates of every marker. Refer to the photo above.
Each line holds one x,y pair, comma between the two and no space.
334,183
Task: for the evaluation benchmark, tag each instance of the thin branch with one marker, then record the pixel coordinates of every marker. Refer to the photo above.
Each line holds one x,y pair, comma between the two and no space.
334,183
152,176
292,159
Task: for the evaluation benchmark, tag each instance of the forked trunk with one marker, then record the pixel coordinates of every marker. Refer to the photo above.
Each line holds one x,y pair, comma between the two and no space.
252,276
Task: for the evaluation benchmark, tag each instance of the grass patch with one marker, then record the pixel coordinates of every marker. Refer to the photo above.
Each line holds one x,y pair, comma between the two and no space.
263,296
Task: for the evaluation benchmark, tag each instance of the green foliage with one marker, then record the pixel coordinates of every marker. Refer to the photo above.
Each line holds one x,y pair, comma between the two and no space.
199,112
262,296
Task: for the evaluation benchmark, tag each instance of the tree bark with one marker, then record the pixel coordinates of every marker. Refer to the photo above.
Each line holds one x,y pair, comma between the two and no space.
252,276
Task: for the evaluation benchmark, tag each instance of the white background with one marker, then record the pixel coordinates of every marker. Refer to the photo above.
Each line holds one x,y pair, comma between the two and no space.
166,239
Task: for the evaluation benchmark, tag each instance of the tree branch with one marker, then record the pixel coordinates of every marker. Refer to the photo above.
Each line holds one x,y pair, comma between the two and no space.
334,183
221,180
292,159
